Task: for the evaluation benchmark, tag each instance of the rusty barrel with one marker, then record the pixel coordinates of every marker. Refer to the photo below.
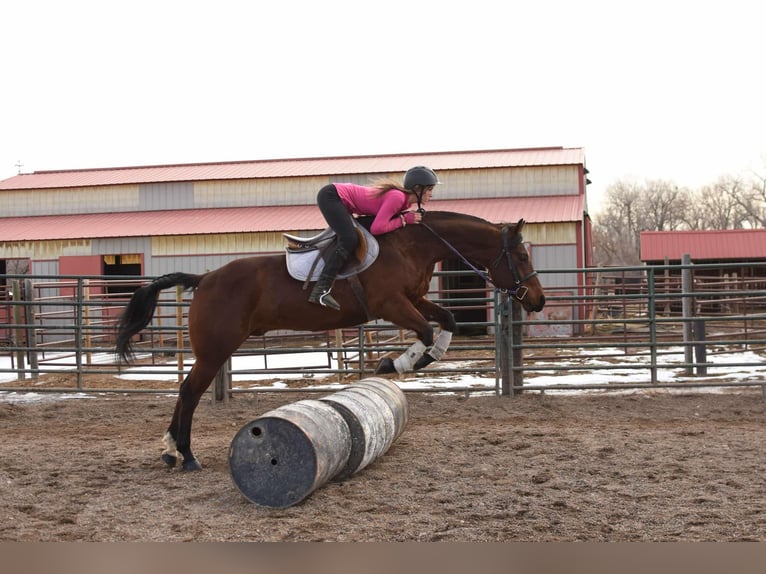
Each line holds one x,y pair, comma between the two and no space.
375,411
281,457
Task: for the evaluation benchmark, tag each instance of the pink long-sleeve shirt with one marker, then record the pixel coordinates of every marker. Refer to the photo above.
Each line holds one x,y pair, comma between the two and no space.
361,200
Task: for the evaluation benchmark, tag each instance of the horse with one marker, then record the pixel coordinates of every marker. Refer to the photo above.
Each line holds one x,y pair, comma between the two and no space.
253,295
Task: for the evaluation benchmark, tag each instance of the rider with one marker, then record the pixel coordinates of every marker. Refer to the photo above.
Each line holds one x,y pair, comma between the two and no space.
387,200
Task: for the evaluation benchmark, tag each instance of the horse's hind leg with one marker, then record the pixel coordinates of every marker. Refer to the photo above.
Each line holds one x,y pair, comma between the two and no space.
177,439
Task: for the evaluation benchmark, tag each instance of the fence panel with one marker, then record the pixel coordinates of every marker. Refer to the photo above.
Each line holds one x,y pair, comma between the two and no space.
631,327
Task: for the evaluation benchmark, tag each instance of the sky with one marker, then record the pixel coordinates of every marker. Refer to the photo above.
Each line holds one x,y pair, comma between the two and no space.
669,89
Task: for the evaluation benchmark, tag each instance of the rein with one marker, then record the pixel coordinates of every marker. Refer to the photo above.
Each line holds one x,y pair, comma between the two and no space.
520,290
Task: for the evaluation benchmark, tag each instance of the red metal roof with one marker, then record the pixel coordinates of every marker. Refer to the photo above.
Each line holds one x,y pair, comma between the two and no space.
258,219
735,244
381,164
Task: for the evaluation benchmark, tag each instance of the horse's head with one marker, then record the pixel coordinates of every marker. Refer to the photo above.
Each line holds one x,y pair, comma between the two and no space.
512,270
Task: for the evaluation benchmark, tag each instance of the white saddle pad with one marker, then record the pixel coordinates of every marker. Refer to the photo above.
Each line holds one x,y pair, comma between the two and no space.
299,262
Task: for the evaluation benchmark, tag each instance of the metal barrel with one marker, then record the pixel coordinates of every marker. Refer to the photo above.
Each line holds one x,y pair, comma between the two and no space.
375,411
370,423
394,397
280,458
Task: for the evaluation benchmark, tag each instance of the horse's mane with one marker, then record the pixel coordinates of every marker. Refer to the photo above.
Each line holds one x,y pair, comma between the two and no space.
452,215
434,216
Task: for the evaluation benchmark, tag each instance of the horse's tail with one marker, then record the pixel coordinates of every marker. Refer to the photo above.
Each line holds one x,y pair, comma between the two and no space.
140,309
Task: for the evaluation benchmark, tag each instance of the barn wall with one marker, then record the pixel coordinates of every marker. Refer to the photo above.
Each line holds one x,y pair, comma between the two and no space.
555,257
235,243
44,249
457,184
190,263
101,199
554,244
509,182
550,233
45,267
166,196
250,192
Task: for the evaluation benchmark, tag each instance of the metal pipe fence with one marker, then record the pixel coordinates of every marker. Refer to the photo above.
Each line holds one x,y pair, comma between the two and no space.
628,328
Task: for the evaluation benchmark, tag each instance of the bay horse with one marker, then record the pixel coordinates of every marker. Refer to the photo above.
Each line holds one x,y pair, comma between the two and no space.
253,295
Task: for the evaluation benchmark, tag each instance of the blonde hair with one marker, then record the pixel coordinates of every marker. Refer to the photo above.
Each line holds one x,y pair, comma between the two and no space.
384,185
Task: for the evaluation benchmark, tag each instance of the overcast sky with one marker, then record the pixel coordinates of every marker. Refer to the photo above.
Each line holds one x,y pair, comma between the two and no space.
652,90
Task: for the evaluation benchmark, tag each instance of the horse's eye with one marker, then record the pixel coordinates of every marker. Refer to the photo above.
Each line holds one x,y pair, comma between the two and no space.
524,256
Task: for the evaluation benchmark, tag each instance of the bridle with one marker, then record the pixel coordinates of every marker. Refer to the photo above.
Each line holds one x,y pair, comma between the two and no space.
519,290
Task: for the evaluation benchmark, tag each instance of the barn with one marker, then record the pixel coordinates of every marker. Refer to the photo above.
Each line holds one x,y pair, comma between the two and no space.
152,220
727,260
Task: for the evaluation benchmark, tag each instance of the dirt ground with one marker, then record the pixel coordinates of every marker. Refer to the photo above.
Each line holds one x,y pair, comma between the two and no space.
647,466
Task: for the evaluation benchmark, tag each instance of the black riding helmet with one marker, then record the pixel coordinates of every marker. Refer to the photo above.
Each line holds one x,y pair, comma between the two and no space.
420,175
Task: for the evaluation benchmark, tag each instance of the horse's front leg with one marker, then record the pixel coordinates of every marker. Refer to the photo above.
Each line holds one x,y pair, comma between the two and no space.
447,326
406,315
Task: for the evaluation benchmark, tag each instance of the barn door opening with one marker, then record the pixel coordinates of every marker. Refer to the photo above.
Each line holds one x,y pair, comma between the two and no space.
465,293
122,265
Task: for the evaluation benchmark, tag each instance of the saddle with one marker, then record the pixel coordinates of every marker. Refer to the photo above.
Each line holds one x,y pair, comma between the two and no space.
306,255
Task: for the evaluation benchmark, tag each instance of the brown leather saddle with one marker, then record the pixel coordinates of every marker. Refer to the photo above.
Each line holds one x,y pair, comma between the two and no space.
305,255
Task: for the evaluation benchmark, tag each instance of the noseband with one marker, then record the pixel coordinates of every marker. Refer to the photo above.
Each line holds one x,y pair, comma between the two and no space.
519,290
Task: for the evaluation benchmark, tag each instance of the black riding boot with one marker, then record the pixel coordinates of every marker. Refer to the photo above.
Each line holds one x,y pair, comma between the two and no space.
320,294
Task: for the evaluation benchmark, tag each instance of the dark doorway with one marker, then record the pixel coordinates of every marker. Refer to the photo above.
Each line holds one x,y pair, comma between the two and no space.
458,288
121,265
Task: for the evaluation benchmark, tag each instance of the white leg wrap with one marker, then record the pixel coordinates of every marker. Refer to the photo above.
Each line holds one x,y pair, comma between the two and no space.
170,445
441,344
407,360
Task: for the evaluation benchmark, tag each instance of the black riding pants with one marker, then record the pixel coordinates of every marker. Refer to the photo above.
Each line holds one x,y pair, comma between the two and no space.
338,217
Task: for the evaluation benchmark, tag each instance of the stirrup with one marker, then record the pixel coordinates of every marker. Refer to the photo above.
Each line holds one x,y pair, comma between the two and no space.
327,300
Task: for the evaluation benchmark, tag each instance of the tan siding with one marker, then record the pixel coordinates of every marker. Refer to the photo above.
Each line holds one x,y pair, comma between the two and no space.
278,191
225,243
44,249
62,201
240,243
458,184
509,182
550,233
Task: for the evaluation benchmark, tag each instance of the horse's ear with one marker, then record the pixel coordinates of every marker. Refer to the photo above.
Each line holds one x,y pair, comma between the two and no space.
520,224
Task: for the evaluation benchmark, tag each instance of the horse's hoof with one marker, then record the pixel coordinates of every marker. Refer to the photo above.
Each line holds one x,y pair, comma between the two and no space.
192,464
423,361
169,459
385,366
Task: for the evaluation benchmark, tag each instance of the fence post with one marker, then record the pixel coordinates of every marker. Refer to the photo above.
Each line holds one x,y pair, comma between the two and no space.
29,306
86,321
18,331
180,332
503,345
687,311
222,383
517,375
700,349
510,346
78,329
652,325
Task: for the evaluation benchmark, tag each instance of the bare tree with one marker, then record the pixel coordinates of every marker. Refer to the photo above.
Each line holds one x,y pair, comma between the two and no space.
732,202
664,206
716,206
615,235
756,193
631,208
